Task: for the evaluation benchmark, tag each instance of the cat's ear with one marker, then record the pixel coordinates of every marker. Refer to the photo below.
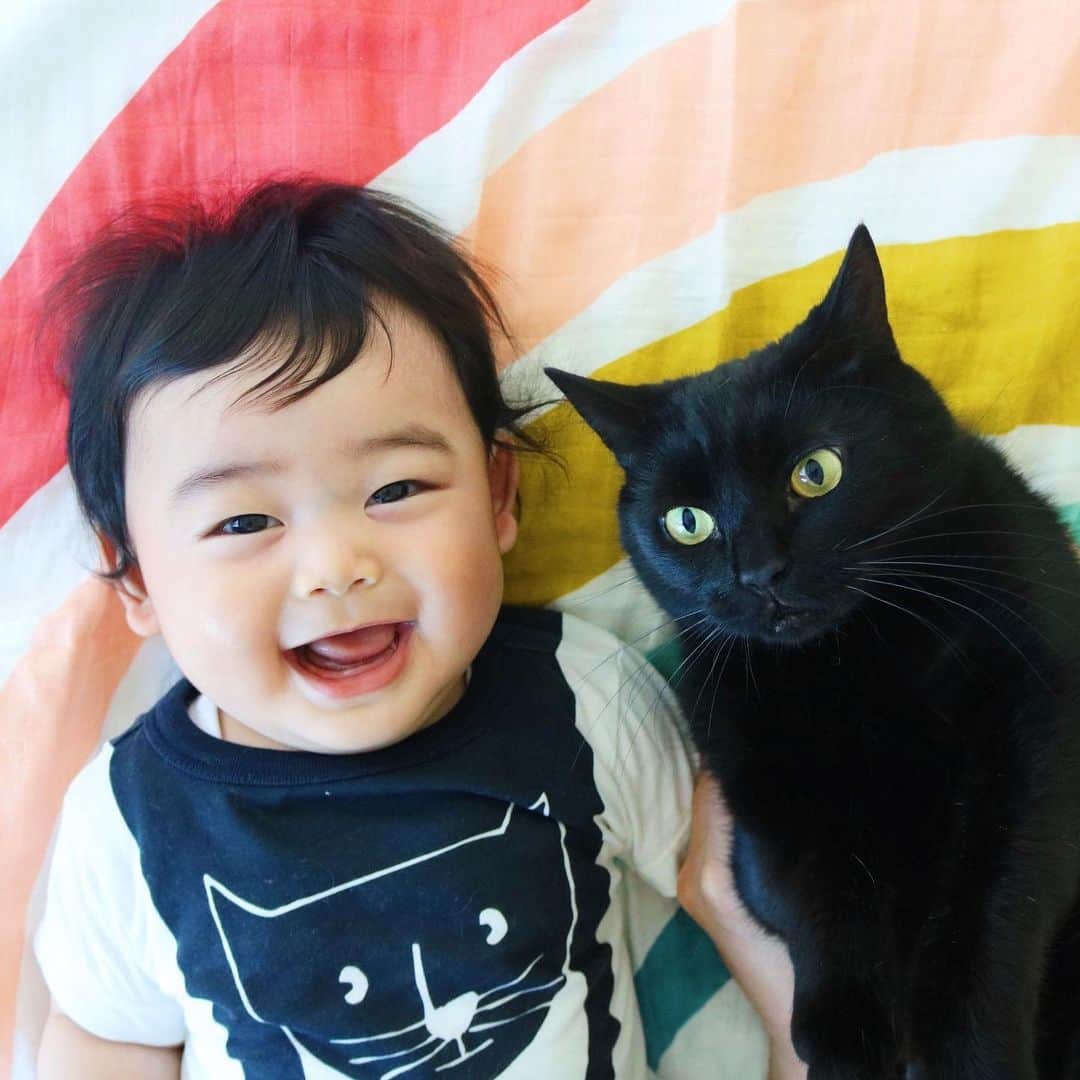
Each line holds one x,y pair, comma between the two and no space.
621,415
854,308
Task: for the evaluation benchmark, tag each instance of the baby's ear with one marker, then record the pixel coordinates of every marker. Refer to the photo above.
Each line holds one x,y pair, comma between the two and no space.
503,475
138,608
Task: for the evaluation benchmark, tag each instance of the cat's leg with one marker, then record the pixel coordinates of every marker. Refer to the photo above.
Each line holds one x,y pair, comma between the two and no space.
842,1019
838,934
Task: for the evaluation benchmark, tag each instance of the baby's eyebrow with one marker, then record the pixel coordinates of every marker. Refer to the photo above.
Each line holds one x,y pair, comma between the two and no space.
204,479
413,435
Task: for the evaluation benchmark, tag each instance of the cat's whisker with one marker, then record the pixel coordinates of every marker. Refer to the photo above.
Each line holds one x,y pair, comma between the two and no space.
1048,538
900,607
912,561
588,598
730,648
964,584
643,714
920,516
978,614
644,666
705,682
672,681
750,668
1063,558
899,525
641,671
616,653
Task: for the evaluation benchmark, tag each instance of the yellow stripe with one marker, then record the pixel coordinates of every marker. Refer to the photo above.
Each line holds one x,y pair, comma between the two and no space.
992,320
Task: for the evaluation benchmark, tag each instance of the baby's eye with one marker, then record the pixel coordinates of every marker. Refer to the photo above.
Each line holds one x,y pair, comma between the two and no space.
244,524
496,924
395,492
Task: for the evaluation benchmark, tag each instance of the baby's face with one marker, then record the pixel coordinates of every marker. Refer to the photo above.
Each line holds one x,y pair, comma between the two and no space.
326,572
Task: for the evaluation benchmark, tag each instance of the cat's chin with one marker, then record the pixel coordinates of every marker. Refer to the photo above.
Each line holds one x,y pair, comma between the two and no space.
792,627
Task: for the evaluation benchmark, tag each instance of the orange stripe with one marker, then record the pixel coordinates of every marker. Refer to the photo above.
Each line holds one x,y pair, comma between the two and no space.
51,711
781,93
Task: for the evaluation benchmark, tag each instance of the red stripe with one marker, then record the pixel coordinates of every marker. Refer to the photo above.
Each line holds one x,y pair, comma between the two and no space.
325,87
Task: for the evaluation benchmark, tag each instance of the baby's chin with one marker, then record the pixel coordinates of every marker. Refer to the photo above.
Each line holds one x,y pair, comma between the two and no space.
339,727
336,735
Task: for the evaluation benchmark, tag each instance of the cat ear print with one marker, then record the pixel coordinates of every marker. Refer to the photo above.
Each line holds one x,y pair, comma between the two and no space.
620,415
855,304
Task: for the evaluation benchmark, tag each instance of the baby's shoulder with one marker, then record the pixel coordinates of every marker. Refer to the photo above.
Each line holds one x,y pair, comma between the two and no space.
90,820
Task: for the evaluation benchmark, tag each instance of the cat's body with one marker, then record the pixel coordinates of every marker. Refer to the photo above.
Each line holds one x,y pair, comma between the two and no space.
881,624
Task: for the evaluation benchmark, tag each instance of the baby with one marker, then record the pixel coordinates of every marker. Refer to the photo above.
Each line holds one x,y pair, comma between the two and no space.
380,825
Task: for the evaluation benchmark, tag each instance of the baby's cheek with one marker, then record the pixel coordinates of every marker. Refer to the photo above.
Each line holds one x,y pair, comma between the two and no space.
233,620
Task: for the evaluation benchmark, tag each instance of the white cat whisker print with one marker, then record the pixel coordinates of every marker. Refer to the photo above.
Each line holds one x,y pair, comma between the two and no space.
339,947
451,1021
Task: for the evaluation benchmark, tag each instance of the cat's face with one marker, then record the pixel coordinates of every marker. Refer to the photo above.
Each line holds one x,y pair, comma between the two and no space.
747,487
415,968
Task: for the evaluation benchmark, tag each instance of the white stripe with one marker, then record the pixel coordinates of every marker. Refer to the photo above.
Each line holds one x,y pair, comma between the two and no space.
45,554
1049,458
617,601
445,173
905,197
726,1033
67,68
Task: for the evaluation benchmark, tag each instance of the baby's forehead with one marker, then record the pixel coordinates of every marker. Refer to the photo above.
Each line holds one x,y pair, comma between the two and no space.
401,377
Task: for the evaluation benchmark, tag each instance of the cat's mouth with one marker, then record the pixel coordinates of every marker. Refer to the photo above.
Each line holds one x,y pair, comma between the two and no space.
782,622
784,617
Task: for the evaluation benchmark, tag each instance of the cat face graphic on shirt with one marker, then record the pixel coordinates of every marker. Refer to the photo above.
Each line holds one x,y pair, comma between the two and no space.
443,964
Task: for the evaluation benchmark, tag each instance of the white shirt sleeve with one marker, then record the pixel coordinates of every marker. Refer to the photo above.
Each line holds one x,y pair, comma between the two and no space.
643,763
100,938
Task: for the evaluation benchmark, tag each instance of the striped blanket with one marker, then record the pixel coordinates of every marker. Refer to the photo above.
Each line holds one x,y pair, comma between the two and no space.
662,185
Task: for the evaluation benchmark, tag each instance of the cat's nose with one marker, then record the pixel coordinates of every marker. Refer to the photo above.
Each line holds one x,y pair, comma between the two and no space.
763,576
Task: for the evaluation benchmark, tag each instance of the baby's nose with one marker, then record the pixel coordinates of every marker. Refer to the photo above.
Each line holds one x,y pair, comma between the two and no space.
335,568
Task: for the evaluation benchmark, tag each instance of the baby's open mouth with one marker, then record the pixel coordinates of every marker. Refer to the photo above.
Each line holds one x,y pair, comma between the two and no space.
348,652
356,662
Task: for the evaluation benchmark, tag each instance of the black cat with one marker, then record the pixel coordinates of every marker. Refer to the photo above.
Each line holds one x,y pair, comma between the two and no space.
882,629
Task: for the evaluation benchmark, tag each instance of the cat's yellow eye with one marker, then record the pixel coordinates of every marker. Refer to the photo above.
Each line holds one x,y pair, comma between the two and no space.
688,525
817,473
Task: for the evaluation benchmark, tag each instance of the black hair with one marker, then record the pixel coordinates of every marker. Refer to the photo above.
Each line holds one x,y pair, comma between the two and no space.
288,276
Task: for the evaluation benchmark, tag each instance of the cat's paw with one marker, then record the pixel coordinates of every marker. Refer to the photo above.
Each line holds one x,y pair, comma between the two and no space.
841,1031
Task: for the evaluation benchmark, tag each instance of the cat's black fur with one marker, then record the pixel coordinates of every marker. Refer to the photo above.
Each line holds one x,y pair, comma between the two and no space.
885,680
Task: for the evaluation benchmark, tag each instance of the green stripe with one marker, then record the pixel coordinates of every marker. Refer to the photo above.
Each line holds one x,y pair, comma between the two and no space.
681,972
1071,516
666,658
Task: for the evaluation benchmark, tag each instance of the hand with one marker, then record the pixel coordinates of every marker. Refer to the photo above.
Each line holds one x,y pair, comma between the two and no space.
758,961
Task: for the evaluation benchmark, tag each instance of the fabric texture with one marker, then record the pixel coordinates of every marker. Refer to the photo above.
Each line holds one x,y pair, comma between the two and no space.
451,901
663,186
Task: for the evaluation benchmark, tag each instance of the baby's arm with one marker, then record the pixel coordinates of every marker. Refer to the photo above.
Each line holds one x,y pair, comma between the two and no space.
759,962
68,1050
102,948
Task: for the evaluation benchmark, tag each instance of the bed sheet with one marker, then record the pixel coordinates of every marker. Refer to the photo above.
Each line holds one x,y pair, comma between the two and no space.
662,186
